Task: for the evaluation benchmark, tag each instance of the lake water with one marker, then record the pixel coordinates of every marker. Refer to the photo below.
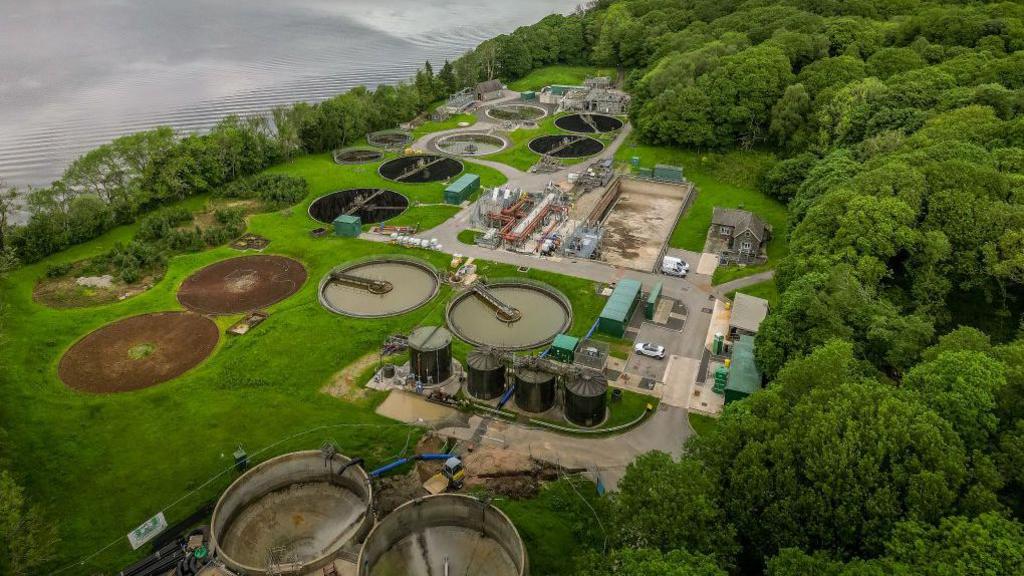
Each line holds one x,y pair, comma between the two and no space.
76,74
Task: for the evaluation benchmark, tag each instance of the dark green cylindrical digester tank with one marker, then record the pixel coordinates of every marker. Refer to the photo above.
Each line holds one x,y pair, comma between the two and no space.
430,354
535,390
486,375
586,398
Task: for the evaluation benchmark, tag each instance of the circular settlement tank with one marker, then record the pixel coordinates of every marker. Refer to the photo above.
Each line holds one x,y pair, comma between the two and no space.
546,312
371,205
407,283
298,502
589,123
486,379
444,534
420,168
566,146
430,354
535,390
586,398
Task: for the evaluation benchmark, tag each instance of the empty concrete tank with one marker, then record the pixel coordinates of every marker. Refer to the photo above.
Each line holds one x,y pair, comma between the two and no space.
430,354
535,390
300,507
486,374
444,534
586,396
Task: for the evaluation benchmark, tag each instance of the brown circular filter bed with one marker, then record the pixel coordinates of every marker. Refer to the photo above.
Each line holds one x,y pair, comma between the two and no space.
138,352
241,284
420,168
566,146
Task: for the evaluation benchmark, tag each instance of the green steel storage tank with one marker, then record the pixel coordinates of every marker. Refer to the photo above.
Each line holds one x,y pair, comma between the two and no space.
535,390
430,354
486,375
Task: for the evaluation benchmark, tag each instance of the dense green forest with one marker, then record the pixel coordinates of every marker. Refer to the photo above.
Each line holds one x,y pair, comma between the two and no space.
890,437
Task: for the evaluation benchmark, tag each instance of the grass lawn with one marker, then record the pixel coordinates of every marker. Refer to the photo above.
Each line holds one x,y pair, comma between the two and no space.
104,463
518,154
568,75
449,124
726,180
467,236
767,290
617,347
702,424
558,524
632,405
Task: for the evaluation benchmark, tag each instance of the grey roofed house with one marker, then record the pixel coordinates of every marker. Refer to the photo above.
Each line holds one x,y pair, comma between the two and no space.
489,89
738,221
747,314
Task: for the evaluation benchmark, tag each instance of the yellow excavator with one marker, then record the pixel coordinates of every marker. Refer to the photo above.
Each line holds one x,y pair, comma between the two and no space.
449,479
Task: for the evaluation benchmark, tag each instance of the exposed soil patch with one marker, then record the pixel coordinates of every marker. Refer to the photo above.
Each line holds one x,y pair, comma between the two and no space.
72,291
566,146
345,383
138,352
242,284
589,123
420,168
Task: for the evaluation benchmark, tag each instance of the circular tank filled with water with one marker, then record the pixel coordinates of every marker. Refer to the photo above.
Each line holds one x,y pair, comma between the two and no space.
297,507
486,375
444,534
378,287
535,390
544,313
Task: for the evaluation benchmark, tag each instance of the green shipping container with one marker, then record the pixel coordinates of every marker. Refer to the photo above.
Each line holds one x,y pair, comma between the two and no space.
652,301
459,191
347,226
563,348
617,311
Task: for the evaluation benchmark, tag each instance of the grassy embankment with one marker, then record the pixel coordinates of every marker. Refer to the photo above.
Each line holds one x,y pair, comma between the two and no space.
726,180
565,75
104,463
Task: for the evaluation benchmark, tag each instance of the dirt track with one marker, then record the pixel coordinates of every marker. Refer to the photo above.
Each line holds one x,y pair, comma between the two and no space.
138,352
241,284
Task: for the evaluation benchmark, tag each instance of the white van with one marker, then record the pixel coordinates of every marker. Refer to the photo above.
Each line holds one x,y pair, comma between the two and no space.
672,266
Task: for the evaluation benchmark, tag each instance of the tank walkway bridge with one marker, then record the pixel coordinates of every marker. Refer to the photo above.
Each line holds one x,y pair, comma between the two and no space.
419,167
505,312
371,285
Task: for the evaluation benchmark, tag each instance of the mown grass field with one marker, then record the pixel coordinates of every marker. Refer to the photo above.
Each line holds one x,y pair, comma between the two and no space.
729,181
568,75
767,290
104,463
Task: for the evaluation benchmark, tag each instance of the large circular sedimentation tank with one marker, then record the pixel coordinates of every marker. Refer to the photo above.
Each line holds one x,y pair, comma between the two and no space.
470,144
546,312
430,354
378,287
369,204
357,155
420,168
589,123
517,112
586,398
535,390
298,503
566,146
486,375
444,534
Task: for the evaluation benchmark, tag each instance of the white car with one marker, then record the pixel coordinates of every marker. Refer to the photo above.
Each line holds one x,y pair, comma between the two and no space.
673,266
648,349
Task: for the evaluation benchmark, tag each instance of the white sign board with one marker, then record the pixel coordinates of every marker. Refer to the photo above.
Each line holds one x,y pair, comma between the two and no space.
147,531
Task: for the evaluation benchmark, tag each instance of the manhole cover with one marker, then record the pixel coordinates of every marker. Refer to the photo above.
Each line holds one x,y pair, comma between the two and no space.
647,383
706,310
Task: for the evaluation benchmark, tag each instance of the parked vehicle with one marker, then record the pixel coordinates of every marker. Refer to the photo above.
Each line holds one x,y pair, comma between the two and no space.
649,349
672,266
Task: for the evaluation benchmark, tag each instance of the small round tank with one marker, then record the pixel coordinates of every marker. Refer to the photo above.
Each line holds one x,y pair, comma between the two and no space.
535,390
586,398
430,354
486,375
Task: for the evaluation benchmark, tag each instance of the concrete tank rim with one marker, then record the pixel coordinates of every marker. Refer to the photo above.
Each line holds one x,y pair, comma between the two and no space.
621,122
545,111
381,259
435,143
261,467
462,166
309,209
523,571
